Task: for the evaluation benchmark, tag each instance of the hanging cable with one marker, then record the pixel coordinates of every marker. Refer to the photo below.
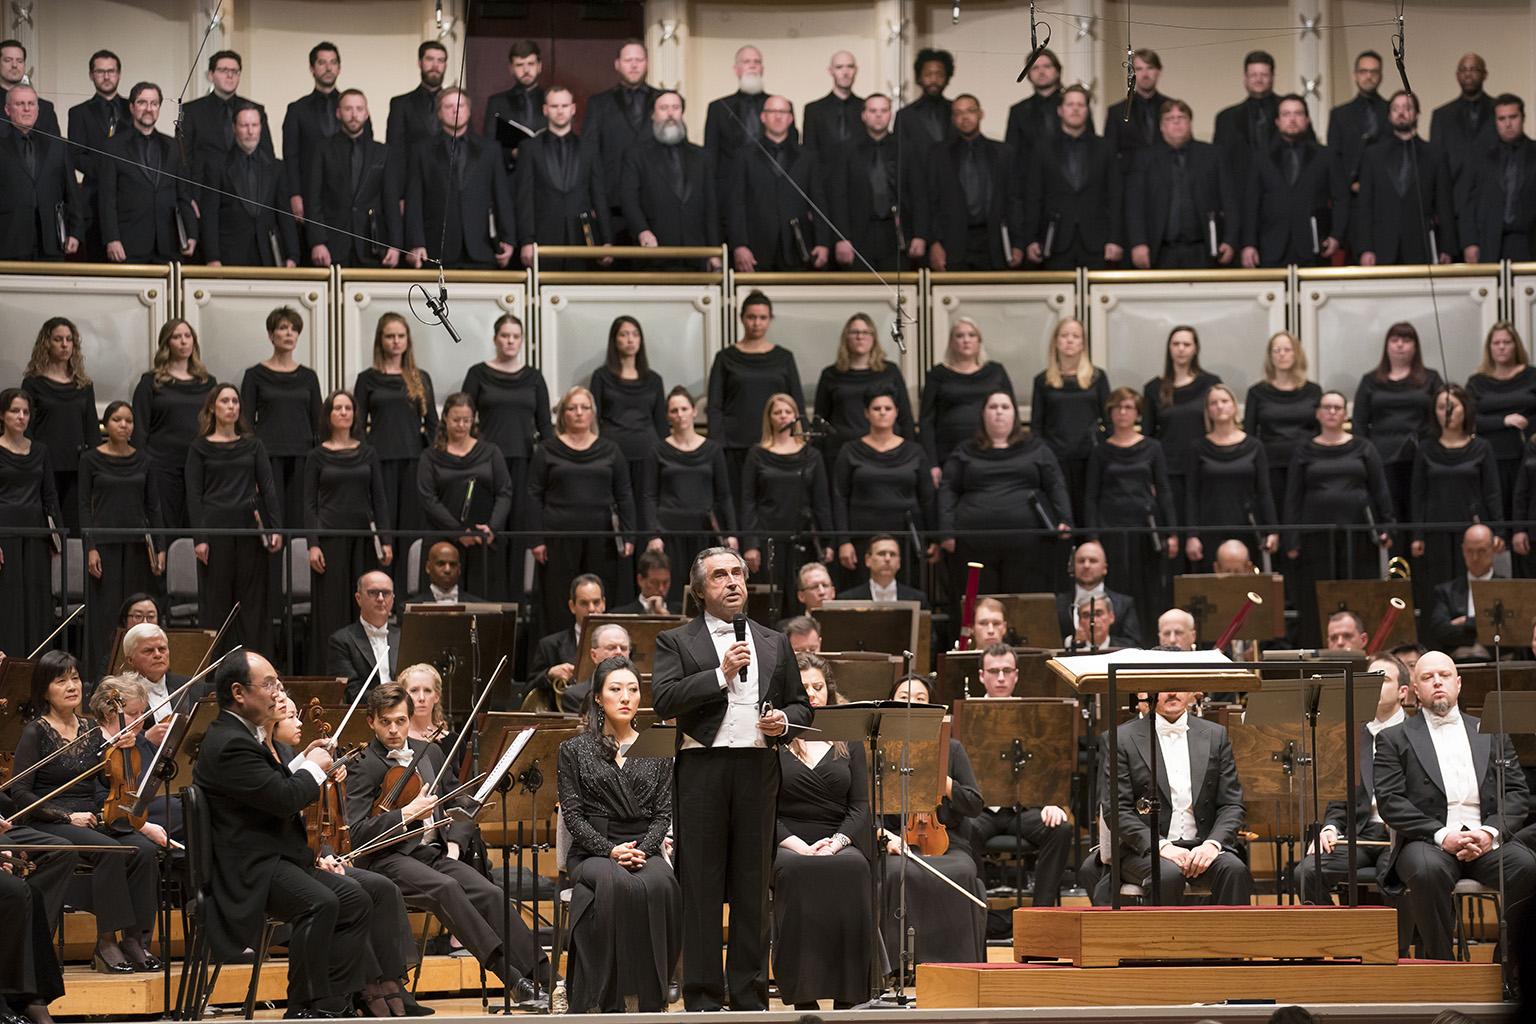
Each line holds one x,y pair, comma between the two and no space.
1037,46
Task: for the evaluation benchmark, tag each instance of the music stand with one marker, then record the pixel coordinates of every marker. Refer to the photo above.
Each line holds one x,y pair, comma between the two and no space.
15,692
1214,599
1364,597
1505,609
188,647
1032,618
959,676
642,630
863,675
199,716
1479,681
463,642
887,626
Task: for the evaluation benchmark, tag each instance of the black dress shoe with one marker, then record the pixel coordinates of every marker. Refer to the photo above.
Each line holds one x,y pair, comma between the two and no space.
528,996
412,1007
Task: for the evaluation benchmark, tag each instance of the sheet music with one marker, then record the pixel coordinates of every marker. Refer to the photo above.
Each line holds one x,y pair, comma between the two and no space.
504,765
1097,664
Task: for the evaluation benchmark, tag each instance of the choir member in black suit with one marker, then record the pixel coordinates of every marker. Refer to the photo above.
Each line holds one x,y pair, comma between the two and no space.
1181,204
1067,407
860,365
733,123
343,489
1281,410
742,379
1455,480
579,485
522,105
350,222
63,406
1497,184
243,224
27,501
784,490
143,197
1037,117
631,397
954,391
558,187
1006,478
230,487
1245,130
1072,187
1128,486
310,121
975,217
459,206
42,211
1451,622
464,488
1295,198
208,122
926,120
413,115
734,701
369,641
552,665
667,189
626,908
833,121
1355,126
686,499
117,492
875,207
1464,125
1504,391
1226,485
769,222
396,408
617,120
881,483
281,401
1174,412
14,73
92,125
1130,135
166,403
1394,407
1335,479
1405,196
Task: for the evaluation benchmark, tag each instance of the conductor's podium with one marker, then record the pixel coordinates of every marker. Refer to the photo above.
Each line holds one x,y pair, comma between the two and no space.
1143,956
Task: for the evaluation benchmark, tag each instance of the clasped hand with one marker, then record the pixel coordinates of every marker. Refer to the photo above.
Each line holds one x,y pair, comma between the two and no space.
1467,846
1192,863
628,855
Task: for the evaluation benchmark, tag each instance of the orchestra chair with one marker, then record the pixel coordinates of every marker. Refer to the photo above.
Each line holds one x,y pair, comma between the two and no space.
181,582
1471,897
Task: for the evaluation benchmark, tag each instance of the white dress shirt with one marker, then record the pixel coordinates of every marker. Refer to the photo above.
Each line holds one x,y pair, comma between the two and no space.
1463,794
1173,751
378,640
1374,727
885,593
157,693
449,596
1471,609
739,726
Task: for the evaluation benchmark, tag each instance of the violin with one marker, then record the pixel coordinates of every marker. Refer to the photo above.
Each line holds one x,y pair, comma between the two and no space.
124,766
926,834
325,820
402,783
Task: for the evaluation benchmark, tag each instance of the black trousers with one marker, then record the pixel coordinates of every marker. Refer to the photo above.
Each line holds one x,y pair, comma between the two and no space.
1336,865
1230,882
1430,873
28,968
327,917
1053,844
727,800
238,569
122,888
52,872
389,929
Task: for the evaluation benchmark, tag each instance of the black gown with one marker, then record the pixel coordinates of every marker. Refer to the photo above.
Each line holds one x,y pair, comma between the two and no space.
632,413
118,492
1071,420
1282,420
579,494
840,400
343,490
1394,415
1129,487
626,926
1225,485
229,487
64,419
1495,400
513,411
458,491
1452,485
27,501
740,384
884,492
165,425
686,500
783,494
950,406
1021,489
283,408
1178,426
821,905
1522,515
399,432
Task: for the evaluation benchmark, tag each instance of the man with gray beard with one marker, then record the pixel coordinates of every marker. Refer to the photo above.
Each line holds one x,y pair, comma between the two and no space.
734,123
667,191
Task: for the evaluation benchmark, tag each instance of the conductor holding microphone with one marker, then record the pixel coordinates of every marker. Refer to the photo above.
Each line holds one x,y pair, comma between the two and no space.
734,689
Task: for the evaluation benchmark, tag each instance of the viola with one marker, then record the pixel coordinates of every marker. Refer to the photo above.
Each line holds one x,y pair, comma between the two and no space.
926,834
325,820
124,765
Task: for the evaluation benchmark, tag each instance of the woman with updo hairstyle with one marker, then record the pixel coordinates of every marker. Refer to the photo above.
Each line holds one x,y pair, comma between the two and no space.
881,484
464,489
1227,482
281,399
860,365
166,404
425,686
1067,408
686,503
27,502
63,406
631,398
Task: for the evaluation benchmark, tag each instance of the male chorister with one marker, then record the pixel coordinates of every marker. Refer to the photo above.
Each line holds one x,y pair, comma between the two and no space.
926,120
13,72
732,700
975,204
1034,119
559,184
833,120
92,125
208,122
457,193
1464,125
1072,209
1405,201
522,107
617,120
1178,192
1245,130
869,201
350,223
770,225
733,123
143,201
1498,216
667,190
310,121
241,225
1355,126
413,115
1295,206
1130,136
40,202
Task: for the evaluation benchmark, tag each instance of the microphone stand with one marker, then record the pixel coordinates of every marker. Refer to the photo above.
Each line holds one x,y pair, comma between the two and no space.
1315,826
1499,766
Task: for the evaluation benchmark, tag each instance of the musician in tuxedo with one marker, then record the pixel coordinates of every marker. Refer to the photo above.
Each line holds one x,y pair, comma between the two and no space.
668,191
609,640
30,978
1452,623
552,666
1176,189
1355,126
617,120
147,660
427,865
1090,567
1295,200
976,205
373,640
523,104
653,582
143,202
39,198
1405,194
1134,124
413,115
310,121
262,864
558,186
1245,130
1096,627
1037,117
443,569
1437,788
458,180
1498,212
733,123
344,192
734,700
13,72
1072,208
1200,806
770,224
242,225
208,122
882,559
873,205
833,121
1464,125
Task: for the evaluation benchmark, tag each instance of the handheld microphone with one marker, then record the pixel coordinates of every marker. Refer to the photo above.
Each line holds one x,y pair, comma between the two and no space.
739,623
439,308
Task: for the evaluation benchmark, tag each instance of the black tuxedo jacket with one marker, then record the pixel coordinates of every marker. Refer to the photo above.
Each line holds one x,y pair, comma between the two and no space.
1216,795
1482,204
1410,790
1032,121
526,107
651,203
1277,215
1338,810
685,682
307,124
329,199
209,129
1350,134
425,597
636,608
1127,622
486,193
240,233
1450,126
1234,134
760,205
831,122
29,203
95,124
138,207
550,202
254,810
1396,227
1449,601
553,649
351,656
365,780
1094,209
608,134
945,218
1210,189
861,592
851,200
1144,129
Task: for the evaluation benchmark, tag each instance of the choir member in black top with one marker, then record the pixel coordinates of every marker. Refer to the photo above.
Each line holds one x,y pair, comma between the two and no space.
63,406
1295,198
1523,511
833,121
396,408
1067,407
1072,186
1006,478
1036,117
343,490
1504,390
1281,410
27,501
122,888
1182,208
954,392
626,906
1405,202
1227,483
464,488
742,379
821,880
1174,403
873,204
1128,487
579,486
631,397
860,365
1394,406
686,503
166,403
281,400
974,217
230,487
1455,480
117,492
925,121
881,484
1335,480
784,489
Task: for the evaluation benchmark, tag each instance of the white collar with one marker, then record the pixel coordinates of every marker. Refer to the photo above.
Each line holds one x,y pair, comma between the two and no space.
255,730
1178,727
718,627
444,596
1434,721
1485,576
375,632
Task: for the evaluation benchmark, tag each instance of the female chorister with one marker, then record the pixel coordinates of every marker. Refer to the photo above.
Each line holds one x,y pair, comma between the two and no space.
1335,479
579,484
881,483
117,492
1067,409
425,686
1504,391
742,380
343,490
123,888
396,408
1227,484
281,399
1173,410
860,365
1128,487
464,488
1004,478
821,882
630,396
626,911
685,490
1394,407
784,489
1455,480
1281,410
166,405
27,501
63,406
229,487
954,392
